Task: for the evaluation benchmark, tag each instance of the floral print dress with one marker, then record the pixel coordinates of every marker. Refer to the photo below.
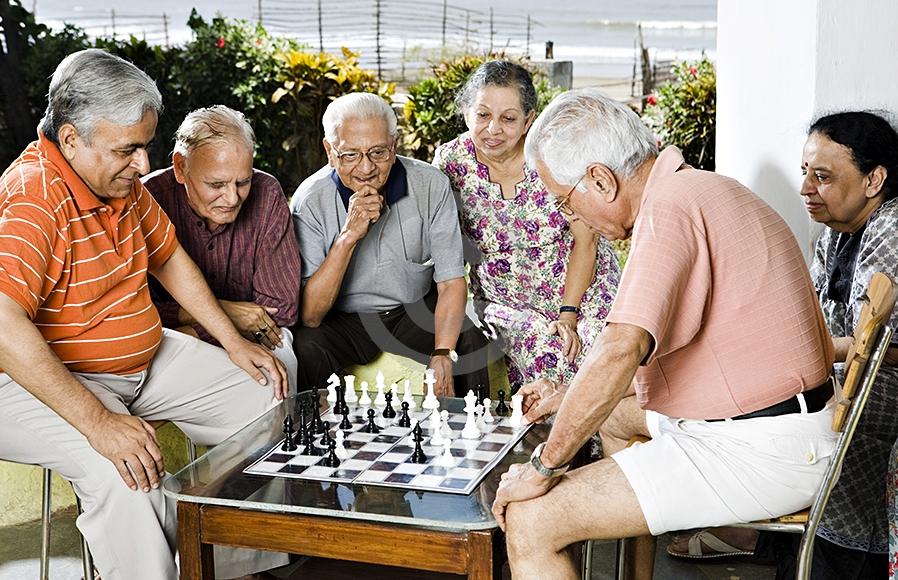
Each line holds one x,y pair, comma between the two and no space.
518,283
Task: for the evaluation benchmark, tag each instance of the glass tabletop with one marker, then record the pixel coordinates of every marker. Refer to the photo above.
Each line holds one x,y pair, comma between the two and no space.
217,478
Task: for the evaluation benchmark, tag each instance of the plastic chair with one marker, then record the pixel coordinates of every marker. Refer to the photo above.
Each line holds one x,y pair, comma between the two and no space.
871,341
87,561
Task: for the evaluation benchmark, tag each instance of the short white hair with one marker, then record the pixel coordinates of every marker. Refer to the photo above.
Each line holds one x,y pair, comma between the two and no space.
215,124
586,126
357,106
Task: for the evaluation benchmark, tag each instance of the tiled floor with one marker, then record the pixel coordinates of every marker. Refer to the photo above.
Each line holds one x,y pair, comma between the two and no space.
20,545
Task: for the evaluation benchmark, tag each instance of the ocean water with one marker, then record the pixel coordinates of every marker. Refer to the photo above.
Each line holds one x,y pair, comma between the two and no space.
599,36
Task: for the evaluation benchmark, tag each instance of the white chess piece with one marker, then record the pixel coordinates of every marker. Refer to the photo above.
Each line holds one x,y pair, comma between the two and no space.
434,421
437,437
445,429
380,400
333,382
478,412
394,389
446,459
487,415
407,396
350,396
365,399
517,411
471,431
411,434
339,449
430,400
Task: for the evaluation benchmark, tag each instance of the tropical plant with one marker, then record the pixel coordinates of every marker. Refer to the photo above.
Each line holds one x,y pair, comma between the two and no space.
683,113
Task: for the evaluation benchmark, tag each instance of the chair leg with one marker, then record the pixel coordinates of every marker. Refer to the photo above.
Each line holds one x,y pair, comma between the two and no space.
620,562
87,561
586,561
805,556
45,523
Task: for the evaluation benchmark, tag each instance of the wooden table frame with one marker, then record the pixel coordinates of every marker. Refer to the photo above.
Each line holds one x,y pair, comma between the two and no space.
201,525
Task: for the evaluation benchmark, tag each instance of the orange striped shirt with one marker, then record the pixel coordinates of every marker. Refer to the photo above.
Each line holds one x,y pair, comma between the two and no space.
78,264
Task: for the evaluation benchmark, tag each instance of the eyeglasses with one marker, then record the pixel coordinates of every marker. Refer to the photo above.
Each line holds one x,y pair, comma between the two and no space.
561,203
375,155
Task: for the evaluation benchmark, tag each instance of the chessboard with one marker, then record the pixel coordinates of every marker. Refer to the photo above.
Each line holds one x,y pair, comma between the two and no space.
391,456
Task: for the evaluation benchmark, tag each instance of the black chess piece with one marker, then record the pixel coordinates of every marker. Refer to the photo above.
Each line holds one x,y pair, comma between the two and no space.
404,419
418,454
316,413
502,409
389,411
341,408
327,434
302,436
371,427
345,424
289,444
331,459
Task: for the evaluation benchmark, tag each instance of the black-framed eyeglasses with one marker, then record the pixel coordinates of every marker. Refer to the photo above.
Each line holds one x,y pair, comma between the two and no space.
561,203
377,154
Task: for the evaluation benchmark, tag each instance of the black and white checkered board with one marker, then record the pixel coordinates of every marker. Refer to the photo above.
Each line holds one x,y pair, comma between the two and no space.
383,458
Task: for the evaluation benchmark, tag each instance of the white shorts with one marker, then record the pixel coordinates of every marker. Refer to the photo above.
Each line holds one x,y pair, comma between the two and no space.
704,474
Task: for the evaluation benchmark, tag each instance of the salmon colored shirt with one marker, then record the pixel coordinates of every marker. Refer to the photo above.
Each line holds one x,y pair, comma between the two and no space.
78,264
716,277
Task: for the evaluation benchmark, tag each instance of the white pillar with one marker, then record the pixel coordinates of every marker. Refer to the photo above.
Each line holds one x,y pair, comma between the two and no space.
780,65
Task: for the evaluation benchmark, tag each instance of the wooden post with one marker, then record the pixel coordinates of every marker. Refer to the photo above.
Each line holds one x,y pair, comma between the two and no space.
165,28
320,29
377,40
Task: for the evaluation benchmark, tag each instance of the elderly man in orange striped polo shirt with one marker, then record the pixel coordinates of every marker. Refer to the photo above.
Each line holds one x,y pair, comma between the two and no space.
85,361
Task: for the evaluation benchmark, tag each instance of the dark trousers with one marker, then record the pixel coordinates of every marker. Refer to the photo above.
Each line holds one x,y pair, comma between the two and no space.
830,561
345,339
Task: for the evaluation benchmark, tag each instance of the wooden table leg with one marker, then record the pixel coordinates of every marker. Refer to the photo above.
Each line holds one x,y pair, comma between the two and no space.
480,556
195,557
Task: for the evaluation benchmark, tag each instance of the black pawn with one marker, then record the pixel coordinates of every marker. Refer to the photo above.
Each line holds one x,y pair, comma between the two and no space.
502,408
371,427
345,424
404,419
289,444
327,435
310,448
418,454
389,411
316,413
331,459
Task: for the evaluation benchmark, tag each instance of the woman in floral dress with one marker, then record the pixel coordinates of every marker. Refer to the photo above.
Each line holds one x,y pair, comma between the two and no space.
543,283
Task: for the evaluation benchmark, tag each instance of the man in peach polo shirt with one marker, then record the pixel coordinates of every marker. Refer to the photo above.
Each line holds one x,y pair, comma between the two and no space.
716,330
85,361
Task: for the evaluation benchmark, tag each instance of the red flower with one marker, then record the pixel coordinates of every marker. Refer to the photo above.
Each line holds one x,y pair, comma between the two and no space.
220,43
693,71
651,100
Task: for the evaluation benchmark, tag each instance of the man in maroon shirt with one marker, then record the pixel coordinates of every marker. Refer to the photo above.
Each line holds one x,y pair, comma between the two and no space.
234,222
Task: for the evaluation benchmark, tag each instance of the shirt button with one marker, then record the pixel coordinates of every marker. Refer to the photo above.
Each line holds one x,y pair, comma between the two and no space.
811,457
211,245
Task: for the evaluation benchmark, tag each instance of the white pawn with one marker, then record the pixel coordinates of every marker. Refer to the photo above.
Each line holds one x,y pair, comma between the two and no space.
430,400
517,411
411,435
333,382
365,399
350,396
487,415
339,449
434,421
394,388
437,437
407,397
380,400
445,429
446,459
478,412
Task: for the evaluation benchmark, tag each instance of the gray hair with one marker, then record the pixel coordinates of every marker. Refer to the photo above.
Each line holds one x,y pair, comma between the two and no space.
92,85
215,124
586,126
498,73
357,106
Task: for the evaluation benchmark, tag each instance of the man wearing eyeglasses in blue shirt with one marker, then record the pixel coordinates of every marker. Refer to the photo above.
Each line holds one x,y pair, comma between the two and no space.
382,259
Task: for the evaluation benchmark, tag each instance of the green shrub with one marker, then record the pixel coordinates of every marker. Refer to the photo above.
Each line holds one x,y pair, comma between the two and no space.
308,83
683,113
429,116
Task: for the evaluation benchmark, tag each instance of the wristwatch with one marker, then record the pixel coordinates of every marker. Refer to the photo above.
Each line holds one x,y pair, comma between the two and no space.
453,356
542,469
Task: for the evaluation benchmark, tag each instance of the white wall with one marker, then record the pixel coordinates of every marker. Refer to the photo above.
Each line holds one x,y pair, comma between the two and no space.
779,65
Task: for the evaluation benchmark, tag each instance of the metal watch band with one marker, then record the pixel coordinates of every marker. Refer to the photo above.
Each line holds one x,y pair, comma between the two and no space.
537,464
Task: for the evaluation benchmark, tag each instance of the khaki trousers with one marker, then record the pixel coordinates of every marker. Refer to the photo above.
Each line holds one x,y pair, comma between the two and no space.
132,534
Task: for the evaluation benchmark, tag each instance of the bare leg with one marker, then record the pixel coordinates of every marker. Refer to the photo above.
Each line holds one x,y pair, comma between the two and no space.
593,502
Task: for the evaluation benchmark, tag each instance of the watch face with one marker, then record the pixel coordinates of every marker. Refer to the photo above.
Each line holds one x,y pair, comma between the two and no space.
453,356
